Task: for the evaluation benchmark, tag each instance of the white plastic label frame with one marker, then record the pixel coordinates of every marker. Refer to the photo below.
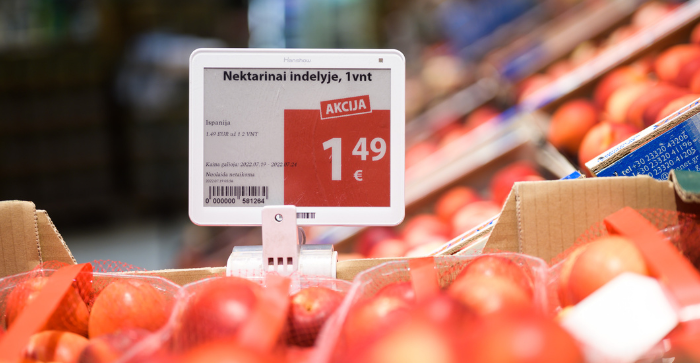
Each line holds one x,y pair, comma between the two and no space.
279,59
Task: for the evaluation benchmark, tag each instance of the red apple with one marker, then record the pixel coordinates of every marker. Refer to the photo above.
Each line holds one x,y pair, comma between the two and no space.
127,304
502,182
217,310
491,265
614,80
676,105
110,347
489,294
225,351
453,200
371,237
71,315
569,125
472,215
524,337
603,137
55,346
421,228
601,261
308,311
392,247
669,63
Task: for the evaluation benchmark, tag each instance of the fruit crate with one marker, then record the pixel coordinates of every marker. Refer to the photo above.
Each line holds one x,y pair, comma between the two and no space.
447,268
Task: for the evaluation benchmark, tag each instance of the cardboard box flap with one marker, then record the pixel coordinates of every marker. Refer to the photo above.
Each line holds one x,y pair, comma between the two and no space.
547,217
504,236
53,247
19,237
687,185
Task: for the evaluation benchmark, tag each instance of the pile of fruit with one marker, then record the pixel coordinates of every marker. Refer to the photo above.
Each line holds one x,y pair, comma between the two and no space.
96,321
481,316
214,319
627,100
646,16
456,211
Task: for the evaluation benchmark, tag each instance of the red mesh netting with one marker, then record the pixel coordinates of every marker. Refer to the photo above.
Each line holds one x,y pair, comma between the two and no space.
333,344
115,309
681,229
222,308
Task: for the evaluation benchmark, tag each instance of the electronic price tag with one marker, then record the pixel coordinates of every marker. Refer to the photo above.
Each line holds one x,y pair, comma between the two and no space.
322,130
289,137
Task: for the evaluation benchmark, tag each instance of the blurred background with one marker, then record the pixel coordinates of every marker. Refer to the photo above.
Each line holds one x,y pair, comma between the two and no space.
93,97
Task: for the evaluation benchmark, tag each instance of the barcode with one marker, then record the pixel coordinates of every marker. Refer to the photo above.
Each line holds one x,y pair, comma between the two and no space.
238,191
306,215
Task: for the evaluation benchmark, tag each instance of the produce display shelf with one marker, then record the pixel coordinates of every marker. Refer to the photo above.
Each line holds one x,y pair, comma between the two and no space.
581,80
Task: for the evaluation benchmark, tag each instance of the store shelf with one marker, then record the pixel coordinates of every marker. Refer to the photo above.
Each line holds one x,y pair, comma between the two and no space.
539,48
579,81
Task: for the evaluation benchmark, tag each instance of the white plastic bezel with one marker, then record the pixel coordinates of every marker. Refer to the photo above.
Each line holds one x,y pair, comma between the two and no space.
317,58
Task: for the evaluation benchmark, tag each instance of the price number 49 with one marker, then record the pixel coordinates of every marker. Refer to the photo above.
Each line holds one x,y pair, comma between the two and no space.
377,145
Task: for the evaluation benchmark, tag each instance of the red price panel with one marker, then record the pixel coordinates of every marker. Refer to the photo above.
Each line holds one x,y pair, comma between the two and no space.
337,159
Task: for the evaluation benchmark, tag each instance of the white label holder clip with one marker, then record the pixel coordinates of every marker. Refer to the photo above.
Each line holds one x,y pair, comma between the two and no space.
283,249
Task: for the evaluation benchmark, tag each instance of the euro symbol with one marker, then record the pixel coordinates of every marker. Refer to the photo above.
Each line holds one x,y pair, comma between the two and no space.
358,175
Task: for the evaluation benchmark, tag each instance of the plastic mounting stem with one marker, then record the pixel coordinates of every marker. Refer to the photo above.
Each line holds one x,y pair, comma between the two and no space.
280,239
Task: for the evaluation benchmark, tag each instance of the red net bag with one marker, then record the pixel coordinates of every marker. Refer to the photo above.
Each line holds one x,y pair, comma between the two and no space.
238,316
343,334
682,230
94,313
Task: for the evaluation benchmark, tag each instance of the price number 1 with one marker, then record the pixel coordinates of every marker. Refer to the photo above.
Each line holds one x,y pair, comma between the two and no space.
377,145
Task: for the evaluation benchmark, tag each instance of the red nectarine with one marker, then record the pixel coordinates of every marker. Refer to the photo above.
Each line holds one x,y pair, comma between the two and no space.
614,80
569,125
71,315
420,228
492,265
601,261
126,304
602,137
55,346
489,294
216,310
453,200
524,337
669,63
676,105
308,311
